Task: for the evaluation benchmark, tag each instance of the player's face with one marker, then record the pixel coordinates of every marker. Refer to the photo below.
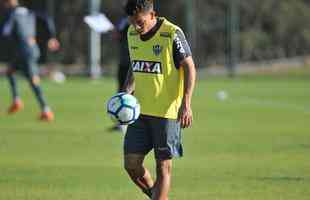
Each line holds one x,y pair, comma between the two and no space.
8,3
142,21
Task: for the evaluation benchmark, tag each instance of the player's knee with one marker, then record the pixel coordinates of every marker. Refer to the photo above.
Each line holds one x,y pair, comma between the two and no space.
163,168
130,166
133,164
35,80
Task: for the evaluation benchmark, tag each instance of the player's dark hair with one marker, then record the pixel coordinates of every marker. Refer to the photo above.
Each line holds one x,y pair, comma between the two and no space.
136,6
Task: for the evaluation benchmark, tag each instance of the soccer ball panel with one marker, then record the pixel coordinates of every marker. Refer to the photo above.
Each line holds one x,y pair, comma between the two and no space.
123,108
114,104
113,117
126,114
129,100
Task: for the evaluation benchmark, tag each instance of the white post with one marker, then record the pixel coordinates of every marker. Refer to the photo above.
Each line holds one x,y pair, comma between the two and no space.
94,43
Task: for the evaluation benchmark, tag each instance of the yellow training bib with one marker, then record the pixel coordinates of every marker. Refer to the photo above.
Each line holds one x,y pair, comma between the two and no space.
158,83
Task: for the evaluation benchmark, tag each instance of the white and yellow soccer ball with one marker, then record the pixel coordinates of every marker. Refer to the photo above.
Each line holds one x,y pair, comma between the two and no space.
123,108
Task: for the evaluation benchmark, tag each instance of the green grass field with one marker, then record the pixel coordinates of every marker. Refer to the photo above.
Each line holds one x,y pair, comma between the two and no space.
253,146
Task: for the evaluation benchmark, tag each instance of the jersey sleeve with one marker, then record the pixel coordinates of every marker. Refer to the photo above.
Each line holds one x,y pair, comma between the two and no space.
7,25
181,48
47,22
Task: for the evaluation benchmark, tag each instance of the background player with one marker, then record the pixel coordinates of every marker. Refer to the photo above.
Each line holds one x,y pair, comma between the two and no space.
20,28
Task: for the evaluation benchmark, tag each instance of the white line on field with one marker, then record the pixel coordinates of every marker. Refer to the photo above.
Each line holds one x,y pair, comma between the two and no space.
272,103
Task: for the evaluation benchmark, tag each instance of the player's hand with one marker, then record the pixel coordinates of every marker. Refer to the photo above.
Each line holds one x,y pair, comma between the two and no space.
185,116
53,44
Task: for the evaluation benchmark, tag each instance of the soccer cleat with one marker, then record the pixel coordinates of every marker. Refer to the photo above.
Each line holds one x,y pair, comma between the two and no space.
47,116
16,106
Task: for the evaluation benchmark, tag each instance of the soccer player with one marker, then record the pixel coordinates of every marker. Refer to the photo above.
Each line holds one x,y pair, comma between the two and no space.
162,77
19,28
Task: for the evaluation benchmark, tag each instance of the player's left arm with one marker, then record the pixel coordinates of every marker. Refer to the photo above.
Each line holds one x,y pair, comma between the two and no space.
183,58
185,112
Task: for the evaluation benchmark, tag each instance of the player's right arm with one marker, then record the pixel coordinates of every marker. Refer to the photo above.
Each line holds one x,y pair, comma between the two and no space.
129,85
52,44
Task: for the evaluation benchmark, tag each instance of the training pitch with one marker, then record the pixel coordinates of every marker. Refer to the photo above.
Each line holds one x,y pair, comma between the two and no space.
254,144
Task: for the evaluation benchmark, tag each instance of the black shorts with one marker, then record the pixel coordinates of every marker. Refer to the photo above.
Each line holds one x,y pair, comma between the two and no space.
28,64
28,67
161,134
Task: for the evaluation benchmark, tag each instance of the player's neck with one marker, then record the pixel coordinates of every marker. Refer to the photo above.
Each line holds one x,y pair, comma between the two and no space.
152,25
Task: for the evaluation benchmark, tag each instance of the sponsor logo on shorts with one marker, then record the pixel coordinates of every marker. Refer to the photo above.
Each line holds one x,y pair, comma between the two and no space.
147,67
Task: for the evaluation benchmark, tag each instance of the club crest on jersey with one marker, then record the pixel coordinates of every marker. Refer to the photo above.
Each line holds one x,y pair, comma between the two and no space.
146,67
157,49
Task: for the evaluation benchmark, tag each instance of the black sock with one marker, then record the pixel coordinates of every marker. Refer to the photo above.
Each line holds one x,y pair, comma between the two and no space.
12,82
39,96
148,192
